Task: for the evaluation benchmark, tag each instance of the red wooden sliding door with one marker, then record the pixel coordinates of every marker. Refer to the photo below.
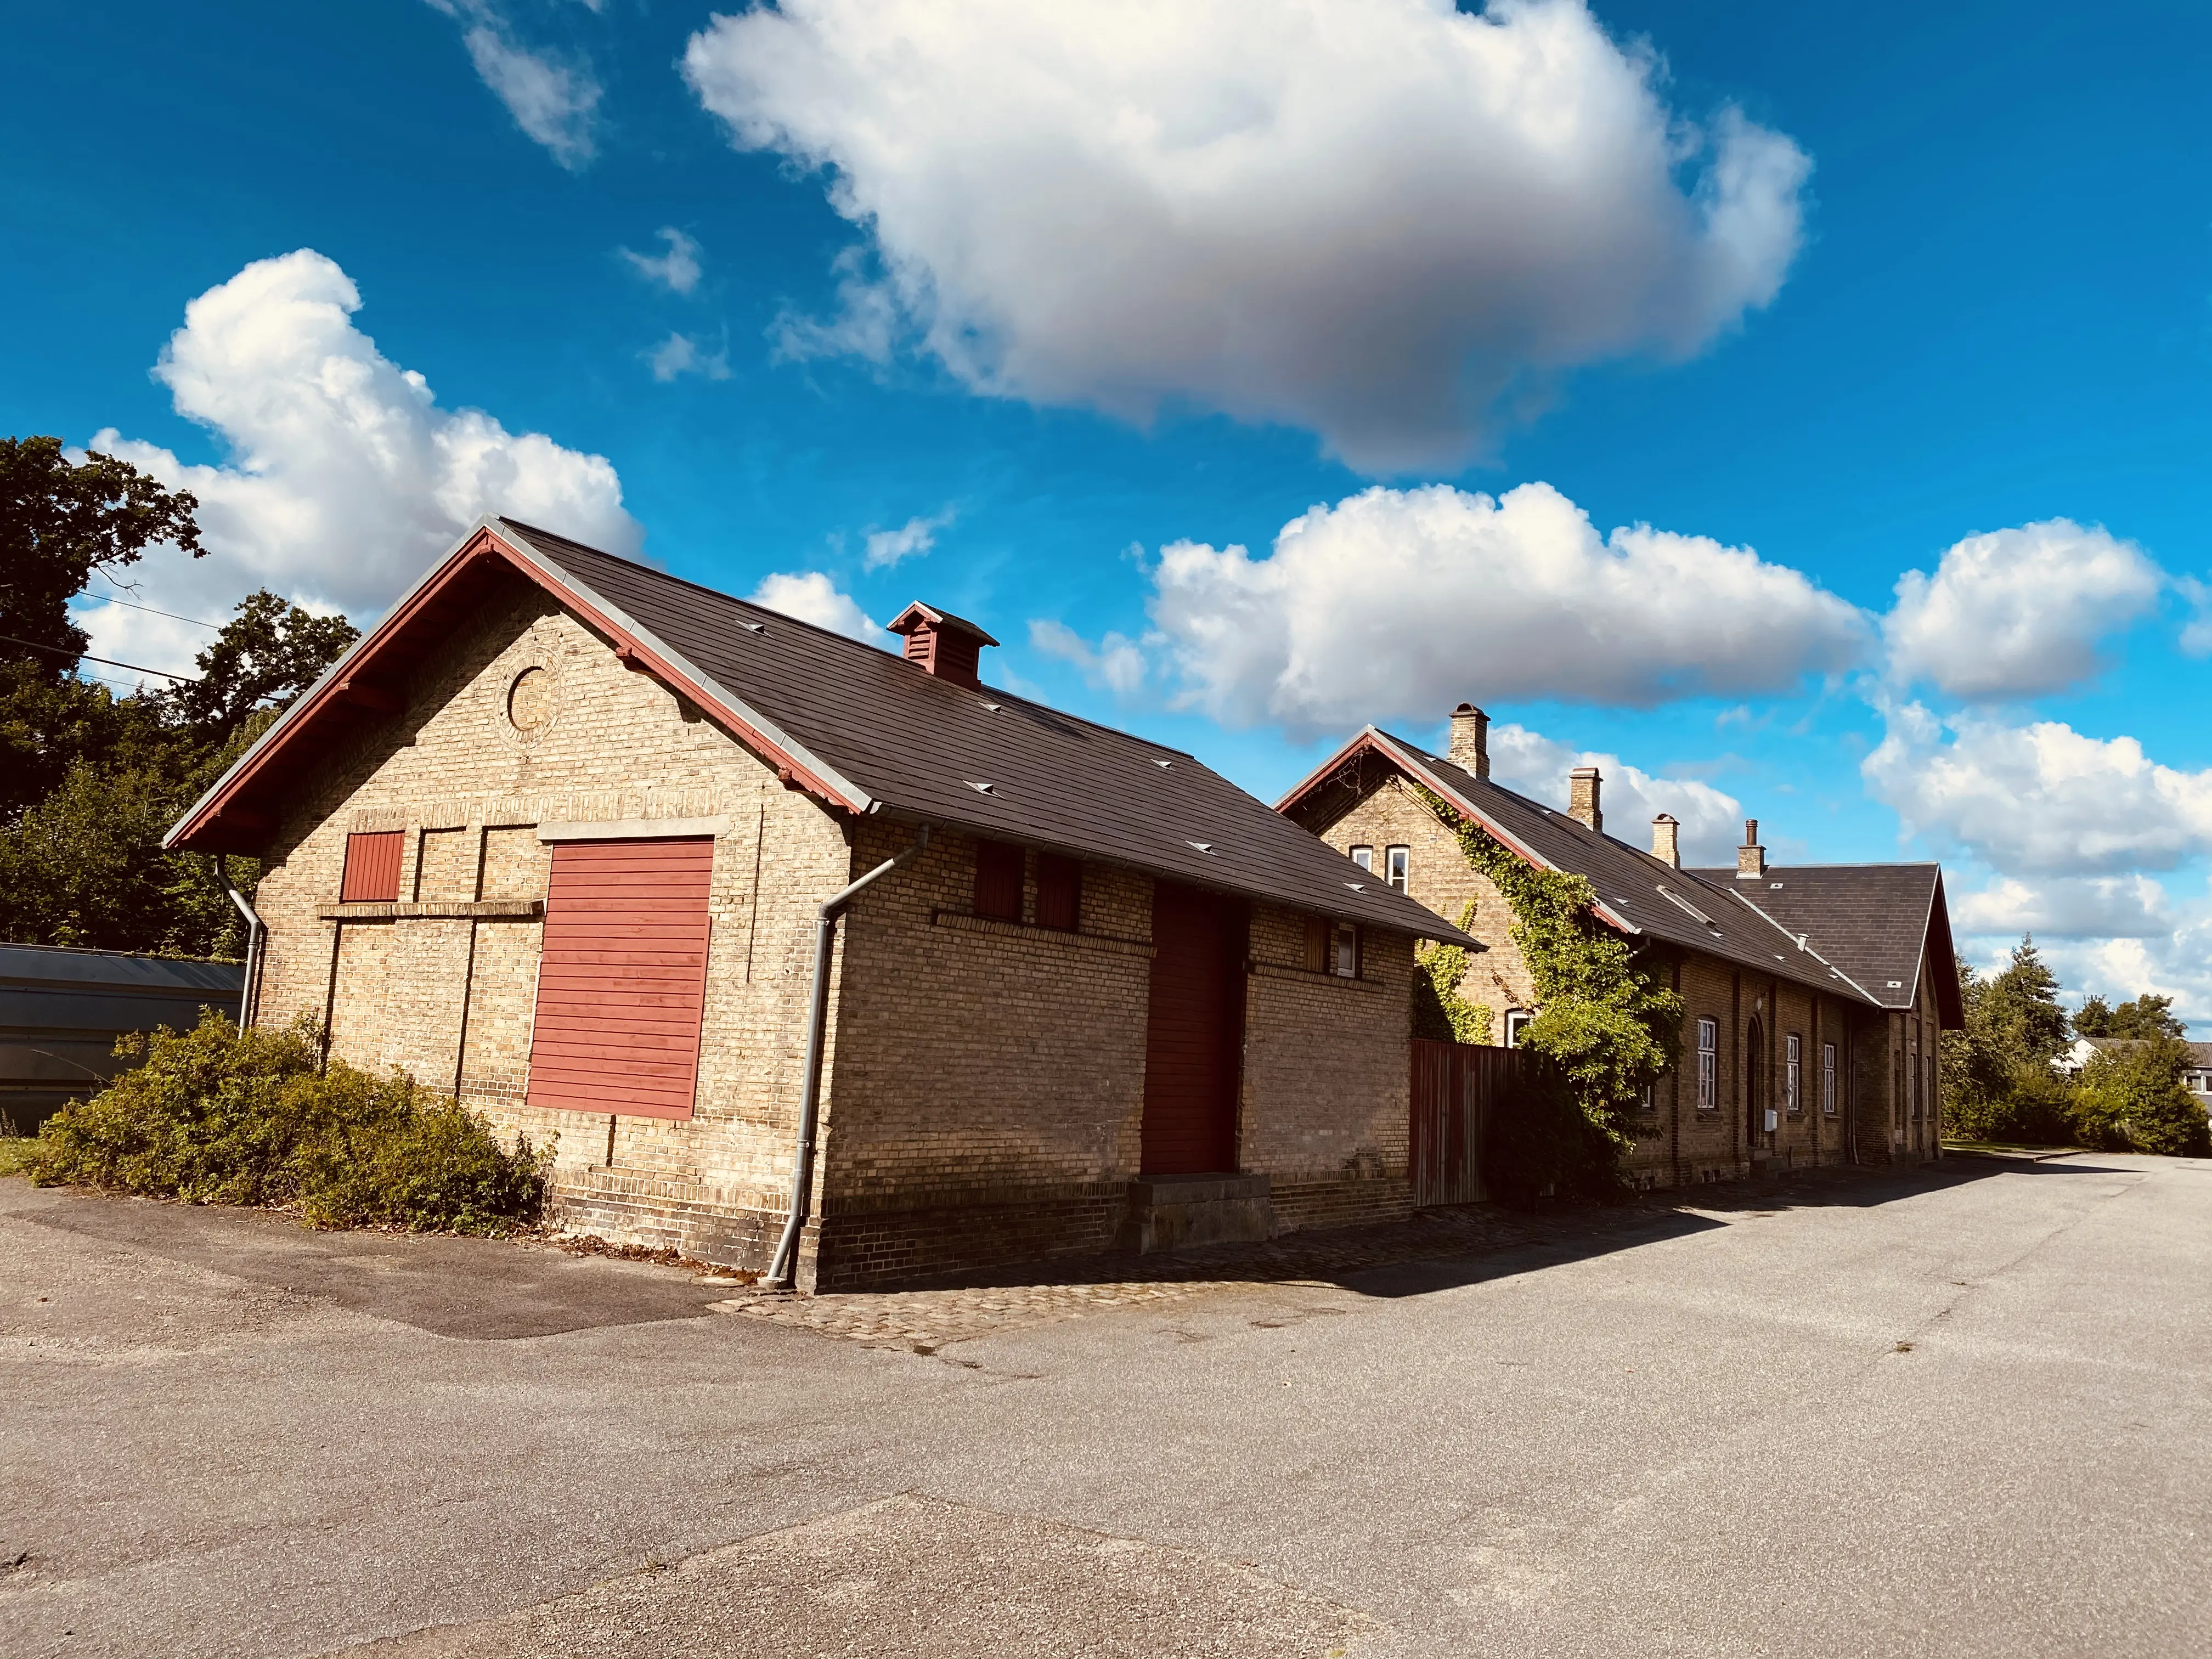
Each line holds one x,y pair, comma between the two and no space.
623,983
1194,1032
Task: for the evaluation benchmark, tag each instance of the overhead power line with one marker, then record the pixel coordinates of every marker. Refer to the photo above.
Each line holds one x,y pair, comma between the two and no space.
86,656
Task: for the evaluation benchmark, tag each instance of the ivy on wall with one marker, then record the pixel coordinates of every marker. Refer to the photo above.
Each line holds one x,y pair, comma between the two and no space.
1607,1021
1440,1012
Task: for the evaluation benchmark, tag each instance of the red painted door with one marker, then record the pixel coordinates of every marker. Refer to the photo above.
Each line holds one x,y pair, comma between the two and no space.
623,982
1193,1032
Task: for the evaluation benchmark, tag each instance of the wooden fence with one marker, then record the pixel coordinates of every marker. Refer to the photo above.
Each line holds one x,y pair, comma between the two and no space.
1456,1089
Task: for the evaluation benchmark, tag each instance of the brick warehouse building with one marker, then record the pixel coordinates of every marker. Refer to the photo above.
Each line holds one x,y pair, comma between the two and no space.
1815,995
559,834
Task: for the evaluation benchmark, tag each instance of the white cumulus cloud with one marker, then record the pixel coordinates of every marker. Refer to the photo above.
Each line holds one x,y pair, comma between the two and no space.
2018,613
2065,907
680,355
1536,766
1397,604
678,269
1115,664
1387,221
916,536
553,97
2038,799
345,478
811,597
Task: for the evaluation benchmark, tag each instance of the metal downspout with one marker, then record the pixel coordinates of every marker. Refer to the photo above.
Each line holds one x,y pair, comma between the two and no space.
256,931
783,1269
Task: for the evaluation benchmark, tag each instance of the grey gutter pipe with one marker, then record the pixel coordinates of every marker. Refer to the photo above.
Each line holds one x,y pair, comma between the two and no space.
256,930
783,1269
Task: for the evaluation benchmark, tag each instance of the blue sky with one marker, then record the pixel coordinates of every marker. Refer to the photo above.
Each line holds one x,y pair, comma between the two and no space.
1083,297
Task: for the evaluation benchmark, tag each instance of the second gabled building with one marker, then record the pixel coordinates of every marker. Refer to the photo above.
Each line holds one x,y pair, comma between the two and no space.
1814,995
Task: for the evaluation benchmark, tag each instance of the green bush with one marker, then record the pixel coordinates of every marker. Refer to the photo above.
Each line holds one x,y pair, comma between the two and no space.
213,1117
2033,1106
2130,1099
1547,1139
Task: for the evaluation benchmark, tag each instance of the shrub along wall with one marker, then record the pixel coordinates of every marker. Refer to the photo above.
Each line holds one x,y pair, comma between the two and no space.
213,1117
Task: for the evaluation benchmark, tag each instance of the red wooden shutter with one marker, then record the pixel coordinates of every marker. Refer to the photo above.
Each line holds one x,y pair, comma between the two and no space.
998,881
1060,892
623,985
371,868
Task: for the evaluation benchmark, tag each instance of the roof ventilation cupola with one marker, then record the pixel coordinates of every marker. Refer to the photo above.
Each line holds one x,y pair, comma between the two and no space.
938,642
1470,740
1751,857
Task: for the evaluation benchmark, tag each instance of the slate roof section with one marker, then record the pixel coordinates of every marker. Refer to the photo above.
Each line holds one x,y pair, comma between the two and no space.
869,731
1872,921
1699,910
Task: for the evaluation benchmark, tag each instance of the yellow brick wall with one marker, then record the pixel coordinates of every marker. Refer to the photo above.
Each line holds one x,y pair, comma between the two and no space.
470,792
1437,875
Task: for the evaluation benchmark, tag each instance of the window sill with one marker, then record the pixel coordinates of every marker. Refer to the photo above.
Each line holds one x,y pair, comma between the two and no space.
1308,976
961,922
438,910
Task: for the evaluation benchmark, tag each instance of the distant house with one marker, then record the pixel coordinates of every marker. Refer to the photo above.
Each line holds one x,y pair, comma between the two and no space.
559,836
1816,995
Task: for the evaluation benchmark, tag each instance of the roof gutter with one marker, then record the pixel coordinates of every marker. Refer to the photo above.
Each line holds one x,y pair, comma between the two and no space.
783,1268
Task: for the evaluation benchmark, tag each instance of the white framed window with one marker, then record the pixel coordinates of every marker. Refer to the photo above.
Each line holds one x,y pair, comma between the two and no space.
1363,857
1647,1103
1517,1022
1396,862
1344,955
1793,1074
1828,1078
1709,1065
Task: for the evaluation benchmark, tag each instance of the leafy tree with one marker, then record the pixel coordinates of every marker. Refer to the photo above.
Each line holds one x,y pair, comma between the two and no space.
272,652
61,521
1998,1081
2147,1016
2131,1099
2022,1008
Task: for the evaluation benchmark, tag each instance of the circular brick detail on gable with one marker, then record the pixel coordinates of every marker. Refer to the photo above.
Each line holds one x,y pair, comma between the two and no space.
531,698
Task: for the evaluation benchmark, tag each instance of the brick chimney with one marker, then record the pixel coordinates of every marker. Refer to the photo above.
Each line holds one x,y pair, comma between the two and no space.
1582,786
1470,740
1666,839
1751,857
938,642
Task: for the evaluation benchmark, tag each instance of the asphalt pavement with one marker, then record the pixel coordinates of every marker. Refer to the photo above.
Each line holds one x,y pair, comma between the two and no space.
1960,1411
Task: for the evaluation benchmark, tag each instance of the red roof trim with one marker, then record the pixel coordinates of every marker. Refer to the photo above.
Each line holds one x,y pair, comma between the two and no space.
334,688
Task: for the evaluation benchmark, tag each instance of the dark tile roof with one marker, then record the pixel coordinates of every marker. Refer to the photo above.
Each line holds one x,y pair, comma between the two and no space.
1701,910
907,742
1872,921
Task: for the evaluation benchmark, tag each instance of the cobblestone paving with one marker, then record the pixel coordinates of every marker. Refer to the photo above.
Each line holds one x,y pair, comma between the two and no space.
927,1317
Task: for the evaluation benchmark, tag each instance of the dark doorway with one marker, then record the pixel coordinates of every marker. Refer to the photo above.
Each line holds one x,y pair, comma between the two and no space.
1754,1072
1193,1032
